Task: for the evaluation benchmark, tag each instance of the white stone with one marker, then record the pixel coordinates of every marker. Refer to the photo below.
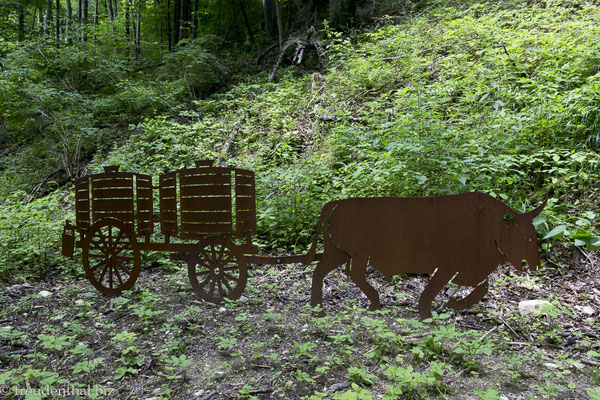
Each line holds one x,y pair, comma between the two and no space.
79,302
551,365
587,310
222,309
45,293
532,308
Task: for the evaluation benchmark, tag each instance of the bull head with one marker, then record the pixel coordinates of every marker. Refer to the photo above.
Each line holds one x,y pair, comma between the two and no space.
519,241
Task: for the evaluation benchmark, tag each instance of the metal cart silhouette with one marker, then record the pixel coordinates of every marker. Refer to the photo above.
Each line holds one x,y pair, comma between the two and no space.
207,216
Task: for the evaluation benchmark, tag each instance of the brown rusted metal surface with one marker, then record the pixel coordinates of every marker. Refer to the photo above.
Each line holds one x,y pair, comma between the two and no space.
459,238
462,238
208,205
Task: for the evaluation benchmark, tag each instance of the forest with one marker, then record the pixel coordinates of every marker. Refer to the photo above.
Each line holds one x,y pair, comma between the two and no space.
324,100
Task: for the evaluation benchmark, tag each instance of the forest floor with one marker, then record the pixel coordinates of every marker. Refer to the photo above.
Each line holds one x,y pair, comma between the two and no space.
160,341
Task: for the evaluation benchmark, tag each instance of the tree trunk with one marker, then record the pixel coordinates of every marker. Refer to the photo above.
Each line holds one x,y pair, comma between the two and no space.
169,33
69,20
138,28
21,22
176,17
183,19
127,7
84,17
57,23
95,13
79,19
269,13
279,23
248,29
109,10
219,19
115,9
196,23
48,17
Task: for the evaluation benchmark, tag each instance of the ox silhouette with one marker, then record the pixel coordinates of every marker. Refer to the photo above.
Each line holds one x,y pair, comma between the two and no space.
461,237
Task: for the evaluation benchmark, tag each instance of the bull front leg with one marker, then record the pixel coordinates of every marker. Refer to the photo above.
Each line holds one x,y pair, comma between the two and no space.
435,285
330,261
358,274
476,294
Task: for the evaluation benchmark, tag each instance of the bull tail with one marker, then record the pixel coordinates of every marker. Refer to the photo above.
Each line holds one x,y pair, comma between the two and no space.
325,213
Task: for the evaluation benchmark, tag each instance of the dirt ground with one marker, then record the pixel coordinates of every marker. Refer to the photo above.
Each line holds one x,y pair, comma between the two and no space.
161,341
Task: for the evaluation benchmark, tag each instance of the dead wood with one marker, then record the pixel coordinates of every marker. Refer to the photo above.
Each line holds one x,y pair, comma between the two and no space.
301,44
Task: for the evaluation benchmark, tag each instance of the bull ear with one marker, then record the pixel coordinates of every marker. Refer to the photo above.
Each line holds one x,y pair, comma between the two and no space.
534,213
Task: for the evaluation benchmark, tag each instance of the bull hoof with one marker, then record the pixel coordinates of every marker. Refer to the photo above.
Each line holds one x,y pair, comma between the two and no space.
374,306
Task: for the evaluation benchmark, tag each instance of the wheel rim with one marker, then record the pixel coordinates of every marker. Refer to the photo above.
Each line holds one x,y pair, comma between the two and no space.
217,270
110,257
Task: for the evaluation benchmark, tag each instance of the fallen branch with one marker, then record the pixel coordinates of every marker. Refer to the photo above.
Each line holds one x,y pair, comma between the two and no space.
488,333
326,118
591,363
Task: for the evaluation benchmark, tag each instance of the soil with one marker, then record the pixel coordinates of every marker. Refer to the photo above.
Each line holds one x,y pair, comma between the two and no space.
270,344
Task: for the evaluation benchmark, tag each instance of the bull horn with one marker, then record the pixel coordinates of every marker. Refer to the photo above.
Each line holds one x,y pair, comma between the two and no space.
534,213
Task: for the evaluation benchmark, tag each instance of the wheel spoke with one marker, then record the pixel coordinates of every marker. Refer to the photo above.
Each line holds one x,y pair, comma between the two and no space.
116,270
220,287
205,281
212,285
103,271
231,277
226,282
128,272
110,277
95,267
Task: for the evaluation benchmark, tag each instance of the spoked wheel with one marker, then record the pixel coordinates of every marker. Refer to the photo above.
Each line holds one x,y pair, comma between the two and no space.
111,257
217,269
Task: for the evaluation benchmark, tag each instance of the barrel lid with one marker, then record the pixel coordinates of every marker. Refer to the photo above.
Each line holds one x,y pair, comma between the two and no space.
111,168
204,163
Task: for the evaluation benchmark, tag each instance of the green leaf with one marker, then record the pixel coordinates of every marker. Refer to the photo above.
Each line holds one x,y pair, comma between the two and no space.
558,231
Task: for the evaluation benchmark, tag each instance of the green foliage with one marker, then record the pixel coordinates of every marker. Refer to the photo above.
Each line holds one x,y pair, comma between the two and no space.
30,234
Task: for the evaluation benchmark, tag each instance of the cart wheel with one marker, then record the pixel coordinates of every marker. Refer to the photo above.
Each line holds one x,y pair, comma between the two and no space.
217,269
111,257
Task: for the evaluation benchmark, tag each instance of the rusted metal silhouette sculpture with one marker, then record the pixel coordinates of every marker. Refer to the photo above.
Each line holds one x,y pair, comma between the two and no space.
462,238
207,217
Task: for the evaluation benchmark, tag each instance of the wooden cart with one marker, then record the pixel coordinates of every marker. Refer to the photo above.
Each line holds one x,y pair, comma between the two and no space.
207,218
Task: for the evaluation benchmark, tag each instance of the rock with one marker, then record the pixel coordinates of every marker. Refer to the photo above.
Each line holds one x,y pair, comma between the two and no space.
551,365
587,310
222,309
45,293
243,300
532,308
79,302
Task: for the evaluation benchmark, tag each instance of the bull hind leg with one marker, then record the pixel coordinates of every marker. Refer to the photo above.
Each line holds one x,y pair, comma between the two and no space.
476,294
331,259
358,274
435,285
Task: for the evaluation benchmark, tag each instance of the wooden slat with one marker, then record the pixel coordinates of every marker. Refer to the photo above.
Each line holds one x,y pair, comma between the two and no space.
113,175
207,203
206,217
244,203
244,179
212,179
112,183
126,217
168,216
168,204
206,190
112,193
206,228
244,190
112,205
